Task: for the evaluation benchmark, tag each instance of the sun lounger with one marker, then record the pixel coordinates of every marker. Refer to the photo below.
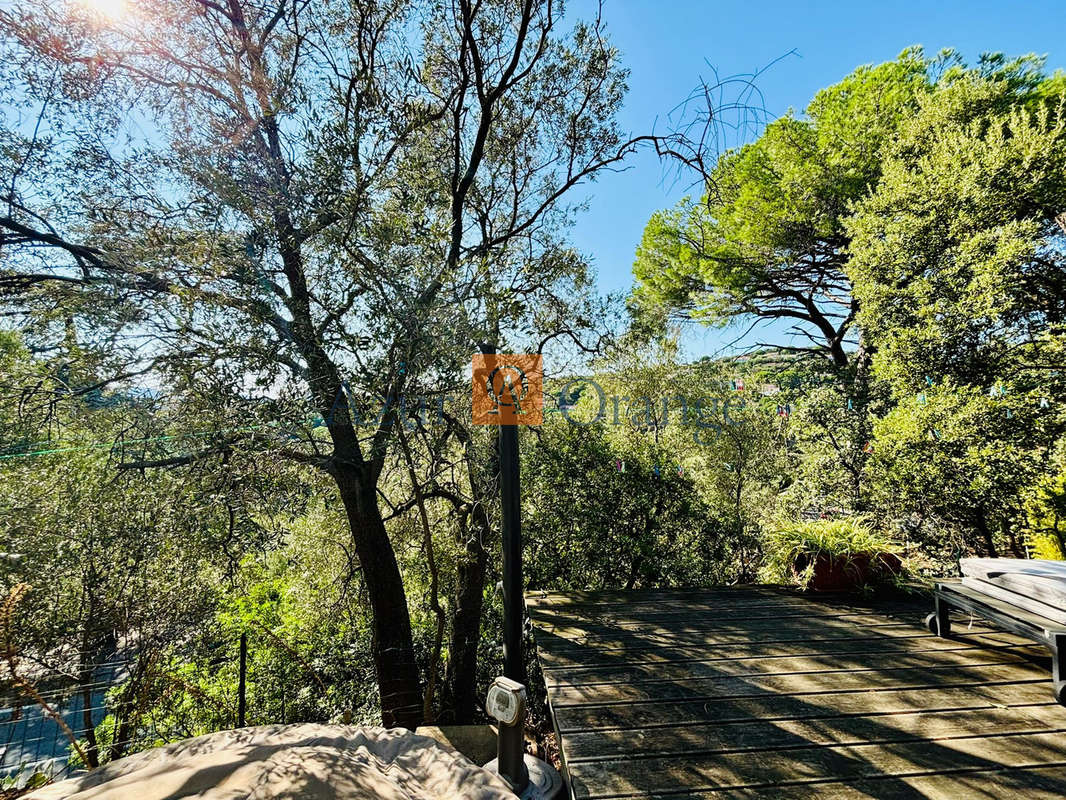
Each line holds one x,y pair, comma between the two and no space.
1026,597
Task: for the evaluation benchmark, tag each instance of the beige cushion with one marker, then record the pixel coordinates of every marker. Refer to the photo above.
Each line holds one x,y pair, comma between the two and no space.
312,762
1033,606
1039,579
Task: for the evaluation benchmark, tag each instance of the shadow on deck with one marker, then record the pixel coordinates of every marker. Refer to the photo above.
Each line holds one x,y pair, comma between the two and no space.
763,692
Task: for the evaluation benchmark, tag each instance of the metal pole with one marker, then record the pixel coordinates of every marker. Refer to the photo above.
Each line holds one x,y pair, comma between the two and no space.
513,606
511,748
511,755
241,700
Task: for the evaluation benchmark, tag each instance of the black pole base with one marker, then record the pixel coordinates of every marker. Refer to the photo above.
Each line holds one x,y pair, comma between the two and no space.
545,782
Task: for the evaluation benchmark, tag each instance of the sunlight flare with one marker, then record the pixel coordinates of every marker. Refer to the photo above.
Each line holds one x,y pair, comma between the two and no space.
107,9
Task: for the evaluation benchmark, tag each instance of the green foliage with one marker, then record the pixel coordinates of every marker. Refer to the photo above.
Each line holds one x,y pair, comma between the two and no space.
957,263
22,781
308,656
768,239
928,196
909,222
1045,509
163,569
956,257
958,455
590,525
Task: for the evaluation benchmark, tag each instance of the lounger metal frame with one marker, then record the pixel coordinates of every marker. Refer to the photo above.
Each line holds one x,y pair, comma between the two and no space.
1015,619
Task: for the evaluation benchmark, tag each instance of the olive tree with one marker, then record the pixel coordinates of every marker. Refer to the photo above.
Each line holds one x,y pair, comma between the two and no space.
291,201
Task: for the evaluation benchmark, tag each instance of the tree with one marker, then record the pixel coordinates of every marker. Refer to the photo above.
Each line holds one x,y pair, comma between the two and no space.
311,194
666,442
592,525
116,568
958,262
956,456
768,239
958,255
1045,508
916,210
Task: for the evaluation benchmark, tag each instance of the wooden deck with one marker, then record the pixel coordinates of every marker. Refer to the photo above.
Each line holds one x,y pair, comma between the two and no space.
761,692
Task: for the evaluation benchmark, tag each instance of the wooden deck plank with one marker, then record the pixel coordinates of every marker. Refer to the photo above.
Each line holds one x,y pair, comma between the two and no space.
1026,783
758,734
575,719
763,693
640,777
569,628
721,595
664,637
574,663
694,670
796,683
655,612
713,602
586,651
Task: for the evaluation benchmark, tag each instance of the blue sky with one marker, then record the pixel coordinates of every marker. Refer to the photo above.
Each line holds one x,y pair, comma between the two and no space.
668,45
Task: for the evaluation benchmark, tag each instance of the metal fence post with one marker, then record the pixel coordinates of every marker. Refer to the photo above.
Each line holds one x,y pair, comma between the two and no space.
242,704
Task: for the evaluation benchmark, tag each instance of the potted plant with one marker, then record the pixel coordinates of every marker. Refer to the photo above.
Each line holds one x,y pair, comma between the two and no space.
830,555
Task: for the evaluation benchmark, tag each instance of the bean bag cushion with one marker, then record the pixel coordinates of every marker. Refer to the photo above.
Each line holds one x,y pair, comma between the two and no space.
307,761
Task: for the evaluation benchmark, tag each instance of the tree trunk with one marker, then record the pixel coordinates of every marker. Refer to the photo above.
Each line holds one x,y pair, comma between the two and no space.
466,627
862,362
838,354
393,646
91,657
1012,541
127,708
986,535
92,750
461,676
95,647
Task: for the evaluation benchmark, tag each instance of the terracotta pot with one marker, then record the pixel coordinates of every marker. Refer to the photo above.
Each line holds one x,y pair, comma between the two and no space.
848,573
